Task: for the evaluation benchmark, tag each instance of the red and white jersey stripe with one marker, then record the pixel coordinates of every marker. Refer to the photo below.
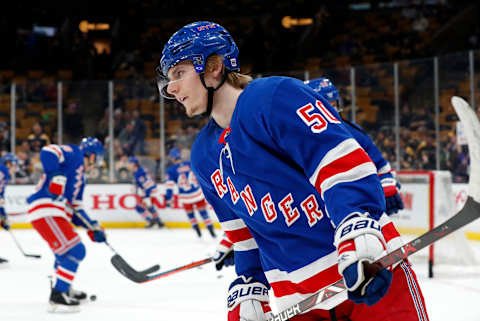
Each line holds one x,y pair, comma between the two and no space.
44,207
238,233
347,162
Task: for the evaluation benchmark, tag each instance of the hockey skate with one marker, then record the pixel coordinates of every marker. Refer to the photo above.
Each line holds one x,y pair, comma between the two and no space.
212,231
150,224
197,229
77,295
61,302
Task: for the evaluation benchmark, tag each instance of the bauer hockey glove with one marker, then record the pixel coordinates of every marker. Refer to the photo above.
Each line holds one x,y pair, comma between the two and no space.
96,233
248,300
4,219
359,241
224,254
391,190
57,184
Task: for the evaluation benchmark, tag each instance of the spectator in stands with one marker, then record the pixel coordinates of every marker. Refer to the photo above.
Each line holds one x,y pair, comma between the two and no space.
127,138
25,147
23,169
421,119
140,133
118,122
4,137
38,138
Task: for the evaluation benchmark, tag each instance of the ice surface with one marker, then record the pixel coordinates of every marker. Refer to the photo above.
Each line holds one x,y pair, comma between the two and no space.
197,294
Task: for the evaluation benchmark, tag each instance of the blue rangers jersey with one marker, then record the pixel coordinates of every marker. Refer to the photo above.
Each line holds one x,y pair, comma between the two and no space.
4,178
144,181
64,160
182,176
384,170
281,178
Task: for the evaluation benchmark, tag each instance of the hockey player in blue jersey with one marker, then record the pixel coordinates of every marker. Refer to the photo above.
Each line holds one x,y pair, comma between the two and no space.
146,188
293,190
390,186
385,172
8,164
56,203
190,195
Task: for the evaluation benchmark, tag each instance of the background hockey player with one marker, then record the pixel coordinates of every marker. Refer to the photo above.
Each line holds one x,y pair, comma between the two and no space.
56,203
385,172
145,188
293,190
8,163
190,195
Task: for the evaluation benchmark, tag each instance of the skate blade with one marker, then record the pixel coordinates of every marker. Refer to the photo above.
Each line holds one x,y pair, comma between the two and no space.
60,308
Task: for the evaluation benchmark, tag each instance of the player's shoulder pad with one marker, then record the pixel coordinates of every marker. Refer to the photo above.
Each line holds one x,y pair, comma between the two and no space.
55,150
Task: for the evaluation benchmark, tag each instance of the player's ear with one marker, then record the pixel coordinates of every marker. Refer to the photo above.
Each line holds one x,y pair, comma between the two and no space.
214,66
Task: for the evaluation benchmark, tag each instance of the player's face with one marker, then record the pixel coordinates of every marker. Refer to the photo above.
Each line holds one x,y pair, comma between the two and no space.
131,167
11,167
89,162
185,85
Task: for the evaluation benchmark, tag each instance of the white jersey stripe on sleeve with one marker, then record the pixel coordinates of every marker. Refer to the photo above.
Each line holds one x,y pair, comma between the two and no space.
246,245
385,169
232,225
356,173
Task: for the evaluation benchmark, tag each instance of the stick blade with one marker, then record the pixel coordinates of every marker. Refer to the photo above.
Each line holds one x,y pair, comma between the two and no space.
471,126
126,270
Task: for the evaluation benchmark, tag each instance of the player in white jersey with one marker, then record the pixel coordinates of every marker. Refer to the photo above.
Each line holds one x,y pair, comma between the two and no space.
293,190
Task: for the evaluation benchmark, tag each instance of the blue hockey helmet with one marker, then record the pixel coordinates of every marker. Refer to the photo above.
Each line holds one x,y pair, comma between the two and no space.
9,158
175,154
91,145
324,87
196,42
133,160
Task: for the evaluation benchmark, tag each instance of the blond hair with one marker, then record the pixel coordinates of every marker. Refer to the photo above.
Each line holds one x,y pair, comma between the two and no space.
235,79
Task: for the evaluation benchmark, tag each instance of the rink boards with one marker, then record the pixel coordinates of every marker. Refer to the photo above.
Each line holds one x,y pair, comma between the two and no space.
114,206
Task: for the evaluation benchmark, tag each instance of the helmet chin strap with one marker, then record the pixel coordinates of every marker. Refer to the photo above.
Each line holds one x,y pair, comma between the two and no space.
211,91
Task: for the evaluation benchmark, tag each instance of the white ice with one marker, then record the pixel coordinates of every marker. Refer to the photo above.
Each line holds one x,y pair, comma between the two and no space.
197,294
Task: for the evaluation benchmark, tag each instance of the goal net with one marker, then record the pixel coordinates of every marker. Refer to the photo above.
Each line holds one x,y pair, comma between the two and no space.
429,201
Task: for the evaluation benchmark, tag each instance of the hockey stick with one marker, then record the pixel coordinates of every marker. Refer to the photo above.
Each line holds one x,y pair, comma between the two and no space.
35,256
325,298
148,278
117,260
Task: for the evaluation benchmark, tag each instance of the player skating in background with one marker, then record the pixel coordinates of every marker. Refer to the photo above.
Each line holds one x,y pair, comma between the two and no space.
8,164
385,172
294,191
56,204
145,189
190,195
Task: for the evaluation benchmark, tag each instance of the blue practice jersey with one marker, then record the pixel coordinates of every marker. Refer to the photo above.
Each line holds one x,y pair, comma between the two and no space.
4,178
182,176
144,181
66,160
287,172
384,170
